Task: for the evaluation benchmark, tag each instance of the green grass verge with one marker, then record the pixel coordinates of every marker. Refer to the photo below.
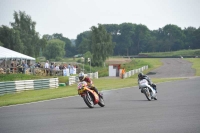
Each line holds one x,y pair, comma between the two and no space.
189,52
196,65
19,76
65,91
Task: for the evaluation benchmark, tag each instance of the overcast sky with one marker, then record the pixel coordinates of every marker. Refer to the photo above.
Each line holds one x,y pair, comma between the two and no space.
72,17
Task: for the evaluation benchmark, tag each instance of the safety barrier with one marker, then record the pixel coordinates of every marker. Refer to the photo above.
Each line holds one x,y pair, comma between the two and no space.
93,75
17,86
74,79
132,72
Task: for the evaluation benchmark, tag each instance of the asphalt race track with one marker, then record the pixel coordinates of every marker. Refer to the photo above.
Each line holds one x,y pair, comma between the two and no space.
127,110
173,67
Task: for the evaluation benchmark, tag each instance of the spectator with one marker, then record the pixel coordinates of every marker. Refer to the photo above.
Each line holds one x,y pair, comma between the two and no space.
123,72
71,70
32,69
69,67
52,67
61,67
38,65
46,67
11,67
24,67
57,68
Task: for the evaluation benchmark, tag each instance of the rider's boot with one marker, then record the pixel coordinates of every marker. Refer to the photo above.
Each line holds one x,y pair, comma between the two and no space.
141,90
154,87
100,94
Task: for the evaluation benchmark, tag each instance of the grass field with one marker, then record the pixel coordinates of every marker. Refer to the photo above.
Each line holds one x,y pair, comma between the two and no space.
196,64
179,53
101,84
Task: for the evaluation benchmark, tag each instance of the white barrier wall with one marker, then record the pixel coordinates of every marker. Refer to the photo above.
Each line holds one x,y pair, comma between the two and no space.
74,79
112,71
132,72
17,86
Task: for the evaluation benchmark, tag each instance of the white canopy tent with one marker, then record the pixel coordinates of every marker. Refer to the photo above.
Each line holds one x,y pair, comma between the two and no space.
10,54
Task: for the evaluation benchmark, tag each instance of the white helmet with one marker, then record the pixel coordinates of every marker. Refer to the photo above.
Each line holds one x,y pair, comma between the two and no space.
81,76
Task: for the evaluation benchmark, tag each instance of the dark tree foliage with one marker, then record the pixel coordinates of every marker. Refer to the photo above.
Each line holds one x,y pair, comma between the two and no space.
107,39
101,45
82,42
22,37
70,49
29,37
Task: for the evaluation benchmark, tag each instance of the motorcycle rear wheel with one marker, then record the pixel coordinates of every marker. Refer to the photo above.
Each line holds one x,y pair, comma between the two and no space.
88,100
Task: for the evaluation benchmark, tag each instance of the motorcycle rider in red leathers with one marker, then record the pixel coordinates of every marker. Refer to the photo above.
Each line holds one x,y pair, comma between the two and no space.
83,77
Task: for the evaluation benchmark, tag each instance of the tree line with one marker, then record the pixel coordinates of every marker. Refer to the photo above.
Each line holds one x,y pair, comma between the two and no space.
132,39
99,42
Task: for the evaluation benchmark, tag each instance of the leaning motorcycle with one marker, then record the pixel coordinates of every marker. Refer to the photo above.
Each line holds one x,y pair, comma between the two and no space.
148,91
89,96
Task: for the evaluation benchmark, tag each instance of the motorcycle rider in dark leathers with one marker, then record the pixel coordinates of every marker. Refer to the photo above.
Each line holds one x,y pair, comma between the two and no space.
142,76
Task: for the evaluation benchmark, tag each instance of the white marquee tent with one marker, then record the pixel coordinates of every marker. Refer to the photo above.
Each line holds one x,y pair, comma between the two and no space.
10,54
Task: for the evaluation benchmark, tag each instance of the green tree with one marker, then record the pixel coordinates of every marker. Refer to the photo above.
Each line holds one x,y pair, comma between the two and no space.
1,44
10,39
196,41
29,37
55,49
141,36
174,37
87,55
69,48
114,30
48,37
84,45
125,41
83,42
101,45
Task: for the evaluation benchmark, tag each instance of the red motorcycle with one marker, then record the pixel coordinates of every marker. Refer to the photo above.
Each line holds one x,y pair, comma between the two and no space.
89,96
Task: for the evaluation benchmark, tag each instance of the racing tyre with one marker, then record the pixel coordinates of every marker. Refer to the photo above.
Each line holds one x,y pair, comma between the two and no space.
88,100
155,98
101,102
147,94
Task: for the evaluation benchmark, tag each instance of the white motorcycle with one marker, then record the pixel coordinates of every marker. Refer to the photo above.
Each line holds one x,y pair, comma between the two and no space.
148,91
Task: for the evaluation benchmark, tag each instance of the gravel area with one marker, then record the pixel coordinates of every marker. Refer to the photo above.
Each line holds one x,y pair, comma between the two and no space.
173,67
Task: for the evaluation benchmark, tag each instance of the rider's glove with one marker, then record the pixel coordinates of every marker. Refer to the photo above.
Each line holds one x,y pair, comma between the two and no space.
79,92
89,84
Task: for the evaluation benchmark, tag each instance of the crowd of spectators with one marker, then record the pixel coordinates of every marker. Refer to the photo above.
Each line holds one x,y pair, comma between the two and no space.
47,68
54,68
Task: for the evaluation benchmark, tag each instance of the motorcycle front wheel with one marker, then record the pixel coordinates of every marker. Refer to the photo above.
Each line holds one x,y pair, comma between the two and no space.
101,102
155,98
147,94
88,100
